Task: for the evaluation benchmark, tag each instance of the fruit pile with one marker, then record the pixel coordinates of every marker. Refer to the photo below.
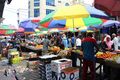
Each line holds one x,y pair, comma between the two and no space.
39,46
55,49
106,55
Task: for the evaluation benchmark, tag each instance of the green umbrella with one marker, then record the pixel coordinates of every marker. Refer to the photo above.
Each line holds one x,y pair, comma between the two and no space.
43,29
4,27
10,31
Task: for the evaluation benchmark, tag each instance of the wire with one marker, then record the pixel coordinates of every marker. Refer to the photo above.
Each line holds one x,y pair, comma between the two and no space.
16,12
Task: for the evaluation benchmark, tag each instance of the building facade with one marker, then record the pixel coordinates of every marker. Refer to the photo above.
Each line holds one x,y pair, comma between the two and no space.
40,8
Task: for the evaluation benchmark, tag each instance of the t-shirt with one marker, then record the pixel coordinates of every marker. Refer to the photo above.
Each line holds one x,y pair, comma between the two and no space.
115,42
88,47
78,42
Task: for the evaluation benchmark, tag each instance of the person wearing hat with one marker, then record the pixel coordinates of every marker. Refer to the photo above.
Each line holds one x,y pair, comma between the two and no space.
115,41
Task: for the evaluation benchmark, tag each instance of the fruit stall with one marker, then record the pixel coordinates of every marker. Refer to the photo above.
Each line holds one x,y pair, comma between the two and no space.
111,59
31,47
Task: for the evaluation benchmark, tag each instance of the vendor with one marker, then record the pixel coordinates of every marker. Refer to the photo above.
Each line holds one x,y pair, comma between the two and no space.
107,45
115,41
46,43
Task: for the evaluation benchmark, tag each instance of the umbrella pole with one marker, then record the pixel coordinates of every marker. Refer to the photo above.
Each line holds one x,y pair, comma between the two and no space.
73,26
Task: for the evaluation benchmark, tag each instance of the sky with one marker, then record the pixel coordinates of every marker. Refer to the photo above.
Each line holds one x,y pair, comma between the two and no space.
10,11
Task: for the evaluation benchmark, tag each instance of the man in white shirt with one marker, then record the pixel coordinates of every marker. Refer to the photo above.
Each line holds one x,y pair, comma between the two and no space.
115,41
78,42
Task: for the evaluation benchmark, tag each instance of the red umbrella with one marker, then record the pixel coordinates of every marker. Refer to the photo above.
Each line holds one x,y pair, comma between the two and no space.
20,29
2,32
112,7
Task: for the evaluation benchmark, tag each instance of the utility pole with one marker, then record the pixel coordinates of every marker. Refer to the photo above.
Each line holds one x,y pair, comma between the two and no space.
18,15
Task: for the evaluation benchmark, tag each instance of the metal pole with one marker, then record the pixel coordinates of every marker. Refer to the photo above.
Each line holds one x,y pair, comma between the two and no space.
18,15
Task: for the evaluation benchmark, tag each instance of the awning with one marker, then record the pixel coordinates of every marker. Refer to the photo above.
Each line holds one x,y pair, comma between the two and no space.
112,7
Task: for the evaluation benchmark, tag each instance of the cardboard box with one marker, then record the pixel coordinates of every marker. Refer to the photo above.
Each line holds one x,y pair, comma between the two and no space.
71,73
45,71
55,76
58,65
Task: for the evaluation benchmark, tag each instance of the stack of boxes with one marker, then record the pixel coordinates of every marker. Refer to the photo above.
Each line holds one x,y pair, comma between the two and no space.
58,66
13,56
45,70
71,73
54,68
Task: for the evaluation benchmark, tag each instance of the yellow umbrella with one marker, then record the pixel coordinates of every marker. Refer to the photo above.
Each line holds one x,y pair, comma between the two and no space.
71,12
67,12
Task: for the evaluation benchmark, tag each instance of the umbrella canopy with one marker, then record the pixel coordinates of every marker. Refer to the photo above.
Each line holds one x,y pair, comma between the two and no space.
78,11
72,23
83,22
112,7
2,32
20,29
10,31
4,27
37,30
8,27
111,23
28,24
108,23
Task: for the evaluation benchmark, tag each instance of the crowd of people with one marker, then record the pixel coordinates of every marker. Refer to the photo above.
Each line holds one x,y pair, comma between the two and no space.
86,43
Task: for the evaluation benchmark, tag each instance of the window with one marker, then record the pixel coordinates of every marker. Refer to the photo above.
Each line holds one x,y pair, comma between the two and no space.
50,2
36,0
36,4
48,11
36,12
59,1
66,4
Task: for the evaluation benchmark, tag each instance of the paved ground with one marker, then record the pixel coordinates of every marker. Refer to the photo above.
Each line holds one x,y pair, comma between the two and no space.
22,72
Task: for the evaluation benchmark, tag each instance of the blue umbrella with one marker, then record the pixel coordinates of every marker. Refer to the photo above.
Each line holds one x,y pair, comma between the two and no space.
95,12
57,23
110,23
28,25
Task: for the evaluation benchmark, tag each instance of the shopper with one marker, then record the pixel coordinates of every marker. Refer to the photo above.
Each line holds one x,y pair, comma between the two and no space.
115,41
46,44
78,42
88,46
65,41
73,40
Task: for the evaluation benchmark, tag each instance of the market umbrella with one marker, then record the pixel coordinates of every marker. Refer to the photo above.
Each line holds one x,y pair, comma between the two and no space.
2,32
20,29
73,23
10,31
37,30
8,27
75,11
53,30
108,23
112,7
28,25
41,28
54,24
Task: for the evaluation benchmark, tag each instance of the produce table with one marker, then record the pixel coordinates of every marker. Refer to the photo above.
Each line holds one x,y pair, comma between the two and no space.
101,61
109,59
31,49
